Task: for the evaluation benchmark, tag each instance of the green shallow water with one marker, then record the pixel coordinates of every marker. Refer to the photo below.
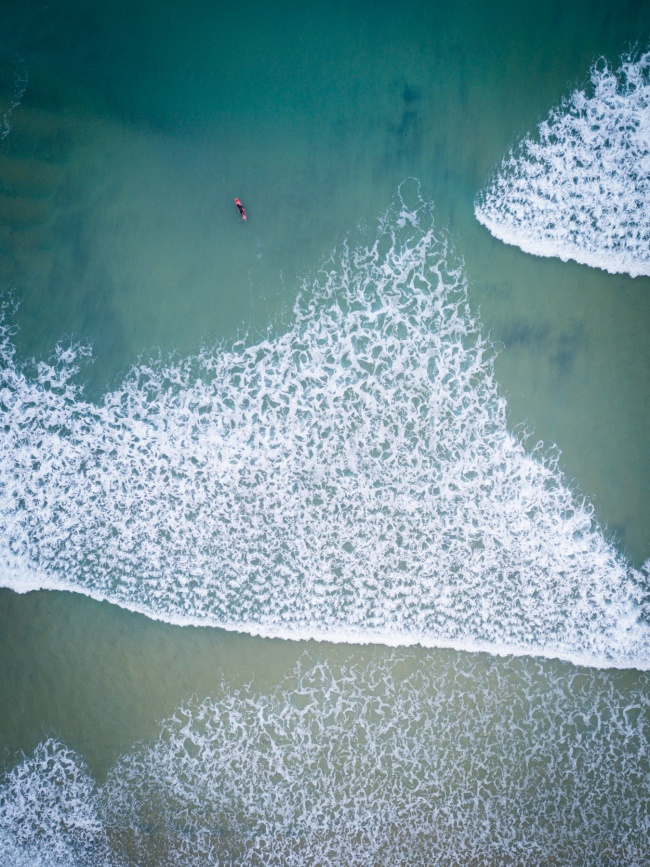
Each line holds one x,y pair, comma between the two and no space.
136,129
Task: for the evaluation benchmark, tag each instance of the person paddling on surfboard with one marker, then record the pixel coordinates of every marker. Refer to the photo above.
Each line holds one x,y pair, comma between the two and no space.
240,208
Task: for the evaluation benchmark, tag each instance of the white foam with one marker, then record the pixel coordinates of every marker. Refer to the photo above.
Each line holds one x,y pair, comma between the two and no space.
581,189
47,815
350,480
450,760
17,88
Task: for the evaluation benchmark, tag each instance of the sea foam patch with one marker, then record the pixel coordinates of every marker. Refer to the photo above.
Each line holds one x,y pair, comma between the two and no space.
580,189
350,480
48,812
455,759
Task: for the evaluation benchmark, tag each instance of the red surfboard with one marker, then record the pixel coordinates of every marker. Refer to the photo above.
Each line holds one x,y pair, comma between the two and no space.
240,208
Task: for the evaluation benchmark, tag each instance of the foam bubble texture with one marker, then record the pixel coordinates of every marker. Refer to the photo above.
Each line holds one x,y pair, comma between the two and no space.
464,761
581,189
48,812
351,480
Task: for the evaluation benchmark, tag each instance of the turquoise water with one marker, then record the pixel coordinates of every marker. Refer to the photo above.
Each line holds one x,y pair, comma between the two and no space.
321,424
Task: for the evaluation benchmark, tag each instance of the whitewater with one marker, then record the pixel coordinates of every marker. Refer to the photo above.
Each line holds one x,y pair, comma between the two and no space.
452,759
351,479
580,188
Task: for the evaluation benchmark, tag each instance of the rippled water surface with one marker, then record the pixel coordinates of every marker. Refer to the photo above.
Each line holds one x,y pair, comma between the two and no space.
358,417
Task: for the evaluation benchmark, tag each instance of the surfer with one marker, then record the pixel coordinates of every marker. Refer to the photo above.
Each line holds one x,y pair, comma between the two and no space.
240,208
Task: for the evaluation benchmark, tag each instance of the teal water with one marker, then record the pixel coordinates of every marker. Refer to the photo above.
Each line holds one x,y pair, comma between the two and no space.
236,489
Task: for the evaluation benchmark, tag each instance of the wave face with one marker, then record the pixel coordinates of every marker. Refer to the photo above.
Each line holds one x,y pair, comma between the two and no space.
581,190
456,760
351,480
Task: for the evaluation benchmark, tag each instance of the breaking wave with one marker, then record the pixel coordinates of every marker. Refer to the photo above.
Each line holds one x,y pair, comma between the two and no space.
350,480
452,760
581,190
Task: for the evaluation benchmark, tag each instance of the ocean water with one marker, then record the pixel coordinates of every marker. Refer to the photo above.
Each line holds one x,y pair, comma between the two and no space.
324,535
